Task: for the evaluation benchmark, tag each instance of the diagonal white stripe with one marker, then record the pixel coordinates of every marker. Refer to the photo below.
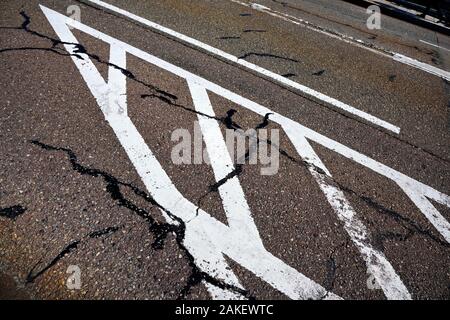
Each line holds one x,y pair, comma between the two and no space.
267,73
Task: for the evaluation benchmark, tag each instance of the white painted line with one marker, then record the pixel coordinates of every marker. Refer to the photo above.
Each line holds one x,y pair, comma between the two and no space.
303,23
233,198
434,45
377,263
348,39
422,66
207,239
255,68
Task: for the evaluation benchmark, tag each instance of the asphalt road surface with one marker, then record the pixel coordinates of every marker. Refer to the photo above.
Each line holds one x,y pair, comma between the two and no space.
93,205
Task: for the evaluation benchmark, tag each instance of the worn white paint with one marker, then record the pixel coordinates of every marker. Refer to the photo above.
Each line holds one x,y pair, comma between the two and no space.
376,262
351,40
421,65
208,239
267,73
434,45
233,198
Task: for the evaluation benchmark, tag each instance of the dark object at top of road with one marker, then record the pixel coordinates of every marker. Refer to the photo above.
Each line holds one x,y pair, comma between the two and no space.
401,9
439,9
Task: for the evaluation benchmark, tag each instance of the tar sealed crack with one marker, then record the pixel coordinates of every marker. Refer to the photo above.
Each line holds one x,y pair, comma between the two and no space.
267,55
161,230
79,50
104,232
33,275
230,124
158,229
412,228
265,121
243,31
166,96
332,270
239,166
228,120
229,38
319,73
55,42
409,225
254,30
12,212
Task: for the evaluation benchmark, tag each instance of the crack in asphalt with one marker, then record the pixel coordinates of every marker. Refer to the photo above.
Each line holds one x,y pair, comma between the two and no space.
408,224
254,31
381,237
313,100
235,172
399,218
55,42
265,121
197,276
289,75
332,269
415,227
412,227
174,104
243,31
12,212
229,38
103,232
319,73
228,120
158,229
239,166
267,55
230,124
164,95
78,50
32,275
38,49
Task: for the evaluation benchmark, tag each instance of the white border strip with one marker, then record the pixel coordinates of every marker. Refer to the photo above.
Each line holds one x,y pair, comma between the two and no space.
258,69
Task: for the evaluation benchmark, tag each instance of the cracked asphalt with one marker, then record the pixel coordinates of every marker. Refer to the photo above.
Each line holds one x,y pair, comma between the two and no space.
69,194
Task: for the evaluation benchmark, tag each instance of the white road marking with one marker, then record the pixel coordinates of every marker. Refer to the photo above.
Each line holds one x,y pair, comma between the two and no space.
377,263
351,40
422,66
208,239
434,45
233,198
267,73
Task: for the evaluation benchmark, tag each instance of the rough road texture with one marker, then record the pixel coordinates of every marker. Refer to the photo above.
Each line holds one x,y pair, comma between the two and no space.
69,195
